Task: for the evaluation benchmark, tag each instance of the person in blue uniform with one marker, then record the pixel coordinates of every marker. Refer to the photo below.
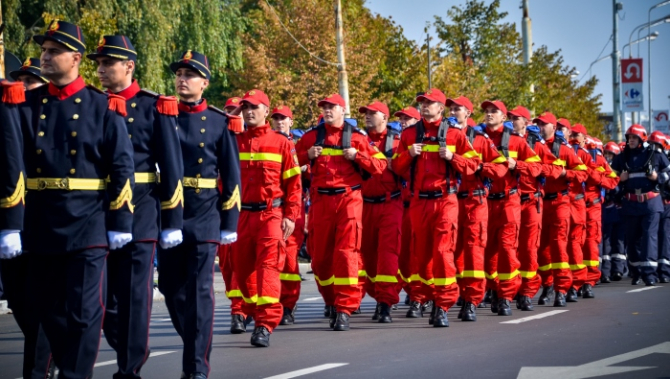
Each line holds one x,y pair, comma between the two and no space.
30,74
613,250
186,271
151,122
642,171
79,168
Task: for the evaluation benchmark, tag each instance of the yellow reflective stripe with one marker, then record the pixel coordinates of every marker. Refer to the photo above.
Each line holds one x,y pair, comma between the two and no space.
470,154
591,263
362,273
444,281
395,155
611,175
18,196
601,169
379,156
492,276
336,281
472,274
407,280
177,198
509,276
577,267
271,157
528,274
512,154
580,167
331,152
251,300
532,159
384,279
500,159
234,293
291,173
290,277
326,282
431,148
125,197
267,300
559,162
554,266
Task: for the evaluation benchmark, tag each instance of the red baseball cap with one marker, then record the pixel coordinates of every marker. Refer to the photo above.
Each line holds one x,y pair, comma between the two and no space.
376,106
255,97
433,94
232,102
577,128
471,122
547,118
520,111
334,99
462,101
565,123
409,112
497,104
282,110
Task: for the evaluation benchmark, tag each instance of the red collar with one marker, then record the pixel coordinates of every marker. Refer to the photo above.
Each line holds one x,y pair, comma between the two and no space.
67,91
549,140
333,128
432,125
492,133
377,136
259,130
193,109
130,92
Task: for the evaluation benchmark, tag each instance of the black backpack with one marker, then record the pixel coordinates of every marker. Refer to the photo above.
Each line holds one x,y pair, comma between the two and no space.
347,129
421,138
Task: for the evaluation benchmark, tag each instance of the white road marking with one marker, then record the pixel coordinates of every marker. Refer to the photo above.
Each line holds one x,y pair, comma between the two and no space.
162,320
306,371
312,298
536,317
107,363
643,289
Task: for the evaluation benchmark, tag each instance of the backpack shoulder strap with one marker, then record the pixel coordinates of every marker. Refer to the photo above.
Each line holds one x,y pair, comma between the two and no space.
420,131
320,135
556,148
504,142
388,144
471,133
442,133
346,136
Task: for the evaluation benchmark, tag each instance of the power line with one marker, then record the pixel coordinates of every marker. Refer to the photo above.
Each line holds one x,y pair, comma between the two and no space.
601,52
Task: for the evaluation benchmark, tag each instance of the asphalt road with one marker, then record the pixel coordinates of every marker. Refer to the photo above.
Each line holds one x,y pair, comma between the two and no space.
619,334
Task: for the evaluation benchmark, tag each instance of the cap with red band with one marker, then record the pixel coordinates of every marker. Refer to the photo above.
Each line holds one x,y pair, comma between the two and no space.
496,104
462,101
334,99
520,111
232,102
433,94
577,128
409,112
546,117
376,106
255,97
282,110
563,122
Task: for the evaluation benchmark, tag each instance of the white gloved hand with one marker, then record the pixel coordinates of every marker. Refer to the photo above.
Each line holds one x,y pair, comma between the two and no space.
10,244
171,238
228,237
118,239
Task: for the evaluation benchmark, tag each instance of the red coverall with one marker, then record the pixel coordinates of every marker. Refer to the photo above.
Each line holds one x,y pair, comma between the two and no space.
382,224
290,274
434,217
473,219
502,264
269,172
226,266
553,255
531,220
335,220
609,180
405,262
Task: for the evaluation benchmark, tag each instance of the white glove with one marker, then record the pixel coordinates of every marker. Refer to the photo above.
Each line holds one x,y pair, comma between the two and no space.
171,238
228,237
10,244
118,239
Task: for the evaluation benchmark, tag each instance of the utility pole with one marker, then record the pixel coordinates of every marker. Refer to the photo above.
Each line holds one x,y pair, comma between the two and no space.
616,73
430,81
343,81
2,45
527,35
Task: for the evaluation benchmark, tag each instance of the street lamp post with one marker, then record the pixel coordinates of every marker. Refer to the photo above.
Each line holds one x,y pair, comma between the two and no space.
666,2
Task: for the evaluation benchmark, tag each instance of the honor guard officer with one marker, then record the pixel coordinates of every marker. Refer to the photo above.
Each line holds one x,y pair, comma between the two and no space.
210,216
79,165
434,155
30,74
341,157
151,121
271,202
642,172
613,250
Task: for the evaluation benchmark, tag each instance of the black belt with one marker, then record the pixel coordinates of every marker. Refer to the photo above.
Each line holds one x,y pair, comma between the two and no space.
405,204
381,199
579,196
527,196
435,194
501,195
466,194
554,195
337,190
593,202
257,207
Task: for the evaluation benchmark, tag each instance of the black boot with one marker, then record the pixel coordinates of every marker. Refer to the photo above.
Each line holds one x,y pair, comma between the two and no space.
406,299
460,312
572,296
580,292
469,313
326,311
414,310
460,302
504,307
636,280
617,276
440,318
431,319
486,301
237,324
650,282
559,300
197,375
260,337
525,303
494,302
605,279
587,291
385,313
287,318
427,306
375,316
341,322
545,297
333,317
665,279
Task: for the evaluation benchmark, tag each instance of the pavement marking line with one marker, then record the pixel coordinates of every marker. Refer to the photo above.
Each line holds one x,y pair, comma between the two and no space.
312,298
643,289
107,363
306,371
536,317
161,320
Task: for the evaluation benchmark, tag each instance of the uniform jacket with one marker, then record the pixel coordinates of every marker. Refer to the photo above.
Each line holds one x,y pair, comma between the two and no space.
494,165
575,168
527,162
633,161
608,179
386,182
529,184
12,175
594,177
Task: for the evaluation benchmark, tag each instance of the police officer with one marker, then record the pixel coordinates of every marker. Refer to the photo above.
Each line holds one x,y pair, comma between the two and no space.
186,270
612,254
30,74
79,166
664,228
642,172
151,122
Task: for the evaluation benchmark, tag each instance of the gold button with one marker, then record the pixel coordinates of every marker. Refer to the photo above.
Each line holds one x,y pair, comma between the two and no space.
73,134
202,130
202,144
73,152
197,175
44,101
204,118
39,151
40,134
133,105
197,190
199,160
77,100
130,136
43,117
72,171
131,119
76,117
39,170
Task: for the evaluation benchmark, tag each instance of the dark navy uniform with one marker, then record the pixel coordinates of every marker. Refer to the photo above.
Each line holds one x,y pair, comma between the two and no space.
186,277
79,168
613,242
664,235
151,122
642,207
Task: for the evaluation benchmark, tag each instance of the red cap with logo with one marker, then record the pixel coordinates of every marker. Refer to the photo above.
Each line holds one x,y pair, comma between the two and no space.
282,110
433,94
376,106
232,102
576,128
496,104
546,117
520,111
334,99
563,122
255,97
409,112
462,101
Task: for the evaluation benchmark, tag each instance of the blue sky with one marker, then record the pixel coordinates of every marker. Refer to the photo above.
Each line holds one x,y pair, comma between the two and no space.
579,28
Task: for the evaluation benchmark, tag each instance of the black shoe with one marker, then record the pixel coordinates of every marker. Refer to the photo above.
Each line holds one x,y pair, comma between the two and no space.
385,313
51,370
406,299
571,296
261,337
440,318
394,307
287,318
237,324
487,299
580,292
460,302
545,297
636,281
375,316
427,306
469,313
605,279
516,297
587,291
617,276
650,283
197,375
494,302
341,322
559,300
504,307
414,310
525,303
431,319
332,317
665,279
357,311
326,311
460,312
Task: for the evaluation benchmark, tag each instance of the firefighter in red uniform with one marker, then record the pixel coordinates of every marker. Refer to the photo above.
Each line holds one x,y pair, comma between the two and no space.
341,156
502,264
434,154
473,210
271,202
382,217
531,190
553,256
